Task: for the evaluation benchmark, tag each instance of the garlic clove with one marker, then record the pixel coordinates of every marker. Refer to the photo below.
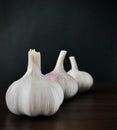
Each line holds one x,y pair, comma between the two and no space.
67,82
34,94
84,79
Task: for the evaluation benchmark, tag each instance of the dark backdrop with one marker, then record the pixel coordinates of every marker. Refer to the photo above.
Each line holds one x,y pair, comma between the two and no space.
86,29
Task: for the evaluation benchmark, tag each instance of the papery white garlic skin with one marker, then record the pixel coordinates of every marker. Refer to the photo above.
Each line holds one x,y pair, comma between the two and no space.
84,79
67,82
34,94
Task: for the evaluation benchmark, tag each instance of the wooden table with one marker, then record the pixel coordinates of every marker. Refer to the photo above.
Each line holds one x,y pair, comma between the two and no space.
94,110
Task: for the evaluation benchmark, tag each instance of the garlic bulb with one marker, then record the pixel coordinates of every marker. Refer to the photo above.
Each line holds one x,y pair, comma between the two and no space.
84,79
34,94
68,84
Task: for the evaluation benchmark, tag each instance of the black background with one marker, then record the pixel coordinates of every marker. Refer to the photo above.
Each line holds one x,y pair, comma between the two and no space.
87,30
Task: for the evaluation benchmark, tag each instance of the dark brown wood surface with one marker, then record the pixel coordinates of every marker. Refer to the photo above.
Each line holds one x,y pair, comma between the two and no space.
94,110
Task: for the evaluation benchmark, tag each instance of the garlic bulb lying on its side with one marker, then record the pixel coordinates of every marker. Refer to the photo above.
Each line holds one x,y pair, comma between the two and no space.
68,84
84,79
34,94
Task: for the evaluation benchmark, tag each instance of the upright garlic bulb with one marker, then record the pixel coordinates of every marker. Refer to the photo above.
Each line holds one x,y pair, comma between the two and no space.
84,79
34,94
68,84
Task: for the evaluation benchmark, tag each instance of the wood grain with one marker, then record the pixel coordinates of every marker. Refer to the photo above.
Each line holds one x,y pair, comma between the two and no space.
94,110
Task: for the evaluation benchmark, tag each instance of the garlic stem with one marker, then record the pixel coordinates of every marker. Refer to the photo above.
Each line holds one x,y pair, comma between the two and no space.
73,62
34,61
59,65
